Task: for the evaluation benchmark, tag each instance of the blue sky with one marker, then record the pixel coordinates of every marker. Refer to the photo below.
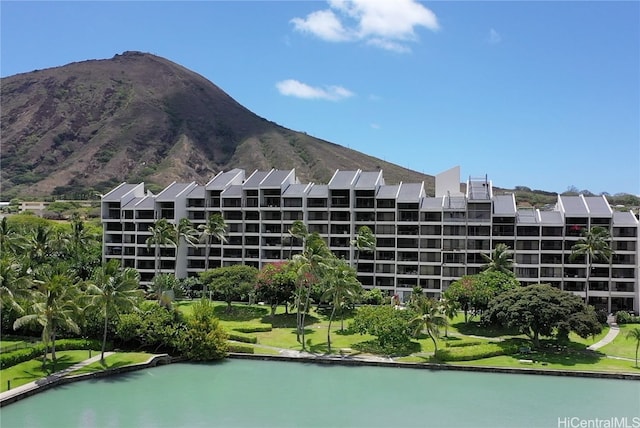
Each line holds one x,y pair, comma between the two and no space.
538,94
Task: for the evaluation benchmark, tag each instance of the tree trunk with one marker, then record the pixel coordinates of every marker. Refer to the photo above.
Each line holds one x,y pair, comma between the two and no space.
104,336
435,344
53,349
333,311
207,253
304,313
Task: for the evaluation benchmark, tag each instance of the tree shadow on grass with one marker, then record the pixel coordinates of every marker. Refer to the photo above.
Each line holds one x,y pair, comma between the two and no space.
287,320
475,328
395,350
566,354
239,313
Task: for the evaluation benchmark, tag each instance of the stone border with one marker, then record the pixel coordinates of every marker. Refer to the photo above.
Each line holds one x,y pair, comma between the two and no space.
346,361
155,360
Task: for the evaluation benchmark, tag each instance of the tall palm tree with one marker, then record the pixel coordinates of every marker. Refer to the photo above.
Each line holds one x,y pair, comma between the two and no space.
112,291
184,231
594,245
500,260
39,242
79,243
635,335
430,318
365,242
162,234
52,305
215,228
342,287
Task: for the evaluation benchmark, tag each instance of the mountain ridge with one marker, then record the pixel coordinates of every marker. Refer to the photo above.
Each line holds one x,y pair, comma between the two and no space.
89,125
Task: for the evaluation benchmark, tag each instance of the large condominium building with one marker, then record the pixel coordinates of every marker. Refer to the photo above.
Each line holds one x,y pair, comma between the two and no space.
421,240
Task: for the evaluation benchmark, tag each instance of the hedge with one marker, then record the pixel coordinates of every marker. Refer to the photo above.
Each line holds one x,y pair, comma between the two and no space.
12,358
475,352
462,344
254,329
242,349
245,338
624,317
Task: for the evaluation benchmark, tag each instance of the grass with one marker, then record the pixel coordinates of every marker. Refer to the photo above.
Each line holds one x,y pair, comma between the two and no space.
621,345
32,370
113,361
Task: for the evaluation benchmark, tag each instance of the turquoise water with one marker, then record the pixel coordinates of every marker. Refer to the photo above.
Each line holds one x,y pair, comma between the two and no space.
244,393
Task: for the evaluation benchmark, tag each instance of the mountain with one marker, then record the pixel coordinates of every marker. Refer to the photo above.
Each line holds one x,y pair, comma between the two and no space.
87,126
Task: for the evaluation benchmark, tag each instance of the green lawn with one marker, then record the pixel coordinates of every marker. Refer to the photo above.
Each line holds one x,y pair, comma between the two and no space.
119,359
569,356
566,363
32,370
621,345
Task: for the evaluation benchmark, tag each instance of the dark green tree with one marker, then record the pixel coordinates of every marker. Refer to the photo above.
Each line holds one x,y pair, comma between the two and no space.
541,310
231,282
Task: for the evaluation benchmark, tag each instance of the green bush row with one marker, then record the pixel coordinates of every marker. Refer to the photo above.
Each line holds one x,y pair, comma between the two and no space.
245,338
254,329
462,344
475,352
12,358
241,349
624,317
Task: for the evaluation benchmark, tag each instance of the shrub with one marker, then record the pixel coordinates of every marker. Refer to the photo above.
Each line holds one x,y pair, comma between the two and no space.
241,349
476,352
624,317
203,339
239,337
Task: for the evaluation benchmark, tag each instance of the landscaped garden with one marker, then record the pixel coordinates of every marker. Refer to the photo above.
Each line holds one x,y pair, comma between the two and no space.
67,306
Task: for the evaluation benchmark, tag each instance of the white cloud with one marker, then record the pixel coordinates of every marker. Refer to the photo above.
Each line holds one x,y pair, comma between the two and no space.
294,88
323,24
382,23
494,37
375,126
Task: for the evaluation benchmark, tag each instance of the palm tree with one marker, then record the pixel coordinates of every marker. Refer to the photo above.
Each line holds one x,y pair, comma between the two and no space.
343,287
184,231
450,310
215,228
500,260
163,288
162,234
11,242
112,291
594,245
429,319
52,305
14,282
79,244
299,231
365,242
39,243
635,335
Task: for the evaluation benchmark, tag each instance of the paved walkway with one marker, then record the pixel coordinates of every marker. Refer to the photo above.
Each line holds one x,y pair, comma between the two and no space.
18,390
613,332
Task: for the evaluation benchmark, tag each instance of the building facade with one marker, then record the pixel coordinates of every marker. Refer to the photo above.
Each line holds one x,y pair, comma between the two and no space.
421,240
